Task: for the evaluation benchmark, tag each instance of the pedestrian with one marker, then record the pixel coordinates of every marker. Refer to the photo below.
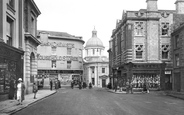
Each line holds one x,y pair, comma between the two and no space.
35,89
51,84
90,85
127,86
56,84
20,91
147,86
72,84
12,89
144,89
131,87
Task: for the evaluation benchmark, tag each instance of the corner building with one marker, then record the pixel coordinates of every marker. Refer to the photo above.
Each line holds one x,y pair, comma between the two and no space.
18,42
140,46
60,56
96,65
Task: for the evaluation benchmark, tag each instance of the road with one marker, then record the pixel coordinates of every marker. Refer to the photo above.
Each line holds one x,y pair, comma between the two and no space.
98,101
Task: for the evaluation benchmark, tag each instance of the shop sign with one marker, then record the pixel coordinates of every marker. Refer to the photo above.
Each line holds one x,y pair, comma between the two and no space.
167,72
58,44
58,58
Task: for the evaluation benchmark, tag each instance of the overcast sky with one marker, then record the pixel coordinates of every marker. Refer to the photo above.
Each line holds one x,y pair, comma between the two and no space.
78,17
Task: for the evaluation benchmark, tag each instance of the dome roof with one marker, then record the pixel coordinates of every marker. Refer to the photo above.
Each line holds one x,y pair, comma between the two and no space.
94,41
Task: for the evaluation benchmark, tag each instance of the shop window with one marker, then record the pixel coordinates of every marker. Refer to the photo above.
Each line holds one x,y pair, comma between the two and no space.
177,60
139,30
69,64
165,51
165,29
93,51
9,31
103,70
69,51
139,51
53,64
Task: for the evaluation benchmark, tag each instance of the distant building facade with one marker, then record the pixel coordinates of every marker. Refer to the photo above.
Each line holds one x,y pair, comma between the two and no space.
140,46
15,40
96,65
60,56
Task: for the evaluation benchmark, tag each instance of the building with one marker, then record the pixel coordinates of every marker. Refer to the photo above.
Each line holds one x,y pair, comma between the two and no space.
177,48
96,68
30,43
16,39
60,56
141,45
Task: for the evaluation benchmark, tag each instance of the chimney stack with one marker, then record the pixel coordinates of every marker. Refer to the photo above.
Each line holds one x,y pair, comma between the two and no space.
179,6
152,5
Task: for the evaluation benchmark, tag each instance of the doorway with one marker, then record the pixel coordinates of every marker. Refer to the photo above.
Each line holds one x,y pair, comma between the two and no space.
103,82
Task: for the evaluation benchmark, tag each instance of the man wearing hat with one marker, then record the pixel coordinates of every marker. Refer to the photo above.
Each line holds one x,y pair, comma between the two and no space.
20,91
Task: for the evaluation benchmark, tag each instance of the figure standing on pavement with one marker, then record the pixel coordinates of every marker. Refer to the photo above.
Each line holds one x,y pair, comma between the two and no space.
127,86
12,89
131,87
51,84
35,89
20,91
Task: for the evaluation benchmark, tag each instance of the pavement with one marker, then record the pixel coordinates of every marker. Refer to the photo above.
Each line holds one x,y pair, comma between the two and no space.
179,95
9,107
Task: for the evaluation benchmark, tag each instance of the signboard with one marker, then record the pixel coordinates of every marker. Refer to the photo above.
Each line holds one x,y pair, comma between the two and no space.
167,72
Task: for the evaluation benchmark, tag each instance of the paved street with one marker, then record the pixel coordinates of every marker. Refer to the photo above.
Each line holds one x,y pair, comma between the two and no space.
101,102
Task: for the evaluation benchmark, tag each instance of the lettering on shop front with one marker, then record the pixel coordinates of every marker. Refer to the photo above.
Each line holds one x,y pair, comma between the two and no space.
58,58
60,44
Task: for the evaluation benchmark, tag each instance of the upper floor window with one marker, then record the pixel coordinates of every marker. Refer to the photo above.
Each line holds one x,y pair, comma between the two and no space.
54,49
69,51
80,53
177,59
33,24
165,51
177,41
139,51
103,70
93,70
69,64
93,51
165,29
53,64
11,3
139,30
9,31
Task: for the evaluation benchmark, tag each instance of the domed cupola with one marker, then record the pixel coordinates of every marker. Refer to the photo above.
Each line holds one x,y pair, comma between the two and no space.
94,41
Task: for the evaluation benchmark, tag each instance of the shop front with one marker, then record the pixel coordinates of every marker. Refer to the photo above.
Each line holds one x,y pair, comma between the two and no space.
139,73
11,68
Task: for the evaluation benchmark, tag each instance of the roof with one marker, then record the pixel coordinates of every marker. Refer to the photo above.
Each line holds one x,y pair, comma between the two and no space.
94,41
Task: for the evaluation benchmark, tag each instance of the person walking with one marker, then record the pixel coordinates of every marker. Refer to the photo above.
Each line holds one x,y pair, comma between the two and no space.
20,91
35,89
51,84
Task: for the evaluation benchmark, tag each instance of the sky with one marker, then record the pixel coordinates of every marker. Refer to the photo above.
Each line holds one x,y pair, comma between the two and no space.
79,17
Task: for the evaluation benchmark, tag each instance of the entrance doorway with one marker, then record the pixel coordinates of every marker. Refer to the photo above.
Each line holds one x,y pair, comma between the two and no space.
103,82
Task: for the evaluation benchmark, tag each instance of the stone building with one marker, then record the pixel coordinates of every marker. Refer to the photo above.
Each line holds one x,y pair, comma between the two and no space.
30,14
60,56
140,46
16,16
96,68
177,49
